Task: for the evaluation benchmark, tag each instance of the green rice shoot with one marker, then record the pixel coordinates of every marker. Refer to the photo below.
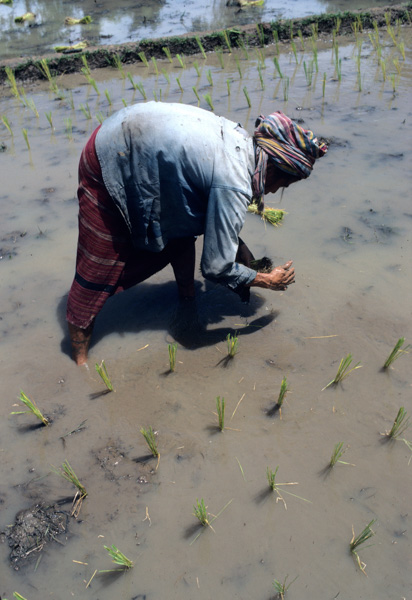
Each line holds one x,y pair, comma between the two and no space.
143,58
7,125
201,48
68,474
282,588
360,539
282,393
150,437
33,408
397,352
118,557
26,137
337,453
343,371
200,512
220,407
102,371
249,103
208,99
172,356
400,424
276,487
232,345
274,216
18,596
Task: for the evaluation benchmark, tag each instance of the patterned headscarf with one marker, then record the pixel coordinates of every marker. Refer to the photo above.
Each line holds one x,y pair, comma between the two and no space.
289,147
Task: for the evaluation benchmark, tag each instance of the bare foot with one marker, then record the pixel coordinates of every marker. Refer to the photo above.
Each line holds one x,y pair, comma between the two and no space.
80,341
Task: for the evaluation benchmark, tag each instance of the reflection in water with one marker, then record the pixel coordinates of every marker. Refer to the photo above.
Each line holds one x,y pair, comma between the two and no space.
126,21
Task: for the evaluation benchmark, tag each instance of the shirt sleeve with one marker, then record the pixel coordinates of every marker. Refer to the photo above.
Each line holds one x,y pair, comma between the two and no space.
225,217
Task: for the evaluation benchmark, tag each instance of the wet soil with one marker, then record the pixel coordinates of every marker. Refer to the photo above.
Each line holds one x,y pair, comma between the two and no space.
257,35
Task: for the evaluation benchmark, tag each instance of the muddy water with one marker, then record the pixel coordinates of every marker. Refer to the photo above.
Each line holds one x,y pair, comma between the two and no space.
348,230
124,21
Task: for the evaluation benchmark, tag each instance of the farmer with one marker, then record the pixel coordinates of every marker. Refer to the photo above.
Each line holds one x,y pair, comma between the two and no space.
155,176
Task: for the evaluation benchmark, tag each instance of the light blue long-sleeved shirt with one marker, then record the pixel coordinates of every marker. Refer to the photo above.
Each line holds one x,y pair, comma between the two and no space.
177,171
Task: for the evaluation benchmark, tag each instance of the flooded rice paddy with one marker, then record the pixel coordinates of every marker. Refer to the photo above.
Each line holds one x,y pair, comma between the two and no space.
128,21
348,230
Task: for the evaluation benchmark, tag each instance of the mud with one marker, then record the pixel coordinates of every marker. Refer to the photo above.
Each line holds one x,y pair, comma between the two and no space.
254,35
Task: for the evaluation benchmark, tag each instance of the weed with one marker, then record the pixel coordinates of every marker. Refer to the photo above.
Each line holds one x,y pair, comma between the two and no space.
102,371
220,407
150,437
172,356
343,371
232,345
397,352
118,558
32,406
355,542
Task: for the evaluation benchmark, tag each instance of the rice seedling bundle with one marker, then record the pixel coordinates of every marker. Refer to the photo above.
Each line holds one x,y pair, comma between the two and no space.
28,16
397,352
343,371
360,539
270,215
149,436
118,557
232,345
83,21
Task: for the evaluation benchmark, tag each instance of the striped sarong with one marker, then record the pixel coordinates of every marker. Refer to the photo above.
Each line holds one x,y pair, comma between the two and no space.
107,262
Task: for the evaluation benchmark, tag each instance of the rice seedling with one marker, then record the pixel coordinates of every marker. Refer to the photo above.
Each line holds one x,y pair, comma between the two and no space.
196,93
45,70
343,370
143,58
209,77
100,117
397,66
315,54
71,100
125,102
275,60
29,102
140,88
323,85
302,41
308,72
200,512
282,588
226,39
172,356
149,436
155,66
118,558
197,69
232,345
241,44
249,103
79,46
85,63
69,128
220,407
102,371
12,82
83,21
199,43
18,596
179,84
294,50
276,40
261,34
400,425
270,215
238,67
397,352
181,62
401,48
108,97
32,408
28,16
282,393
262,83
228,86
49,118
166,75
337,453
285,88
69,475
168,53
7,125
26,138
208,99
275,487
393,82
360,539
91,81
86,110
117,61
219,53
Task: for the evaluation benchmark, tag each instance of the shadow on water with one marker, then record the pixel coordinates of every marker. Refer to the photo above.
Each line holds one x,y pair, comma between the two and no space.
154,307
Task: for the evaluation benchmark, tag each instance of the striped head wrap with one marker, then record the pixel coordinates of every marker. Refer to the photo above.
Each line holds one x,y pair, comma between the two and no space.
289,147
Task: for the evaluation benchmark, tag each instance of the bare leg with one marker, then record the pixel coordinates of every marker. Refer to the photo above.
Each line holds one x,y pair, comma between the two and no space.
80,341
183,263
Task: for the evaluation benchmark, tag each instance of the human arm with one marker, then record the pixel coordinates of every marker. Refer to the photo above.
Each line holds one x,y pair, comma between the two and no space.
278,279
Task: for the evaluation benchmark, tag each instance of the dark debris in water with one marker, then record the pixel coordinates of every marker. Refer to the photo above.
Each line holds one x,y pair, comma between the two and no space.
33,529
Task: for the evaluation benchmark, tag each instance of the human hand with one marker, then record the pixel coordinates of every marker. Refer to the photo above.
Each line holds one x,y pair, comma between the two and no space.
278,279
